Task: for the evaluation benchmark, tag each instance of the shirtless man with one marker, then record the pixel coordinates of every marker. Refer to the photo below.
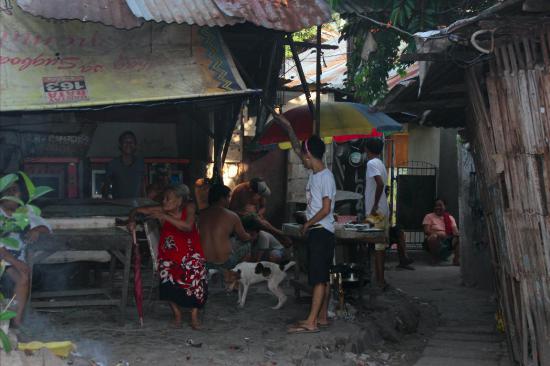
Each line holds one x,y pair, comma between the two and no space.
216,226
249,199
202,185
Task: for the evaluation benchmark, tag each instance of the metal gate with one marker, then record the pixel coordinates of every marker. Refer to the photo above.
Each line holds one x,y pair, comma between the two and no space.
416,189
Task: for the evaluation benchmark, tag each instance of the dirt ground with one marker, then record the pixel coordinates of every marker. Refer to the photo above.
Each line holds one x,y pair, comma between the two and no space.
382,329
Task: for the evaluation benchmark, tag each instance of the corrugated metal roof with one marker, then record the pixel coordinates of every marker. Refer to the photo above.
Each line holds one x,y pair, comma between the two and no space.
200,12
333,66
109,12
285,15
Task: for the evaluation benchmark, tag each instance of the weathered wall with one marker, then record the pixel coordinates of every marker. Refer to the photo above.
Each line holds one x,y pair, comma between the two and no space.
270,167
509,134
447,178
475,261
424,144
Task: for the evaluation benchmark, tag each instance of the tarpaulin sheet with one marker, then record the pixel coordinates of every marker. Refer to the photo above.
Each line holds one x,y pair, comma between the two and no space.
49,64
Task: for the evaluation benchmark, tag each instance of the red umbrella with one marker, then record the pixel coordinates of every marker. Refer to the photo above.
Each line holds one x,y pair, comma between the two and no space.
138,290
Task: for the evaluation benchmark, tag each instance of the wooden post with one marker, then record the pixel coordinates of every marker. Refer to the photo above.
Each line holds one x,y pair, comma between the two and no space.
262,113
301,74
317,125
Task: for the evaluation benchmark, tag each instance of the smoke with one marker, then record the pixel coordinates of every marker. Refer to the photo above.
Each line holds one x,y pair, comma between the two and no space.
64,325
94,350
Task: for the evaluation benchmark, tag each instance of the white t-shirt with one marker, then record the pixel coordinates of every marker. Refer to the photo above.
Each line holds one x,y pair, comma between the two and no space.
320,185
375,167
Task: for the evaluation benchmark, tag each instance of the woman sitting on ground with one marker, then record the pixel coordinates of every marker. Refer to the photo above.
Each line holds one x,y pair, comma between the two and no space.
441,234
183,276
13,258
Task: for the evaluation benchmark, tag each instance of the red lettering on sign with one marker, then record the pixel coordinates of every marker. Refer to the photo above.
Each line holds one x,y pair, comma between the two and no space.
91,68
62,63
68,62
123,62
10,40
63,89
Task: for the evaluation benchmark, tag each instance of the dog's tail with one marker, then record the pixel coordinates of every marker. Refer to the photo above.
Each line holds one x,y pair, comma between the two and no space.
285,266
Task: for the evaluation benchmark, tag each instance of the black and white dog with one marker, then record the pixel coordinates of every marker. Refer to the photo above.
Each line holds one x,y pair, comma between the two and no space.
248,273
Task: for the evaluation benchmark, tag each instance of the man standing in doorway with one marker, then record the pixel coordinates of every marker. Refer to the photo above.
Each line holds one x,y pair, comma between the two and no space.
126,172
376,202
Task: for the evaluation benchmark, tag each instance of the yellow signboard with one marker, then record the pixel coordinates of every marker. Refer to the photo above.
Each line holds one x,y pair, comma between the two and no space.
49,64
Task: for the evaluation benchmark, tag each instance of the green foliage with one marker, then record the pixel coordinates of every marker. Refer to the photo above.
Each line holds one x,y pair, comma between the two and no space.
310,34
304,35
7,181
6,345
6,315
16,223
19,220
367,79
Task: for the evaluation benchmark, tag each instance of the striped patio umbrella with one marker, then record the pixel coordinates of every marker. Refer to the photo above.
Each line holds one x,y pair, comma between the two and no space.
342,121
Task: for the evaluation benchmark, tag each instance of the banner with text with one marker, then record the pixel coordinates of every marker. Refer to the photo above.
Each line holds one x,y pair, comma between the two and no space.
49,64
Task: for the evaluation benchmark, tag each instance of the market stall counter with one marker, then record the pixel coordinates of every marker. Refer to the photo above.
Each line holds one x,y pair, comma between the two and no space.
85,230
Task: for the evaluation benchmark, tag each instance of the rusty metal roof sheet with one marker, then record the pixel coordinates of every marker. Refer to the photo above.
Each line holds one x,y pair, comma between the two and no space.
284,15
200,12
109,12
333,67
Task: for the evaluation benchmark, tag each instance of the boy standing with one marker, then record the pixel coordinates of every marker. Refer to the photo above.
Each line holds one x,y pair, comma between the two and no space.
376,202
319,228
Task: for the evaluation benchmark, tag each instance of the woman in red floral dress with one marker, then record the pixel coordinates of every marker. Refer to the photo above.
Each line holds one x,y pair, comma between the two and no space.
183,275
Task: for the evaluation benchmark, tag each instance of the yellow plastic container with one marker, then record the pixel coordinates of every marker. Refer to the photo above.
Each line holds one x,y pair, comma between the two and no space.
61,349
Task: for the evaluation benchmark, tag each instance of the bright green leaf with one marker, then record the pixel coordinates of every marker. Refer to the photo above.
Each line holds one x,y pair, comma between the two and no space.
21,220
6,345
7,315
10,242
7,181
29,184
39,192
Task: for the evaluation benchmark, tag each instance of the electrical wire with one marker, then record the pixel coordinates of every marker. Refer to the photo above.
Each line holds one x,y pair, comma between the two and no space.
387,25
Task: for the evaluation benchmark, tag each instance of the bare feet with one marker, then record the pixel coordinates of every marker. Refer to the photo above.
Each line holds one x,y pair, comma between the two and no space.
303,324
323,324
302,327
176,323
195,323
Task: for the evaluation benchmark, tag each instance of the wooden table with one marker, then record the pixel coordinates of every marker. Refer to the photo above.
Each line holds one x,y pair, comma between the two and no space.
114,240
343,237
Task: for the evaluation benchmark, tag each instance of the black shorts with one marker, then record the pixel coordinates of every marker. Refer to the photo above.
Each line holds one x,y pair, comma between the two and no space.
320,252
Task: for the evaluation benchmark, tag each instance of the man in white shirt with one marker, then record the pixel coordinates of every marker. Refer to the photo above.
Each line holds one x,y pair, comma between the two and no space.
319,227
376,202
